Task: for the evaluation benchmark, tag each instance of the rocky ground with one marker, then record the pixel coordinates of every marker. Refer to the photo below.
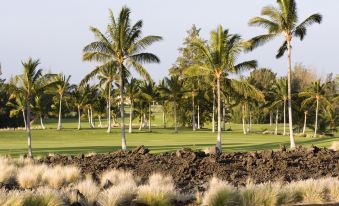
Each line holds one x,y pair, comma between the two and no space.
191,170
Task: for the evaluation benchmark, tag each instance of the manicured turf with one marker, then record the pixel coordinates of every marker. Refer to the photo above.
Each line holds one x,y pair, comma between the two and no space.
72,141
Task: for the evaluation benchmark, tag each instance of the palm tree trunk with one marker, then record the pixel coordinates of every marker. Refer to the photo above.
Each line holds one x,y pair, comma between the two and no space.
79,121
23,114
276,123
164,116
289,95
316,119
130,117
100,123
41,123
271,118
175,116
284,117
29,139
149,118
193,114
250,122
305,119
141,122
122,111
213,112
223,116
59,121
198,115
218,145
89,118
109,124
92,124
243,119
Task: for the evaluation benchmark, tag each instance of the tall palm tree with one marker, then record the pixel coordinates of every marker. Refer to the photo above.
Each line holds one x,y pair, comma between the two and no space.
220,58
80,98
148,91
106,74
283,20
316,95
28,84
125,46
62,88
163,99
280,94
173,90
132,90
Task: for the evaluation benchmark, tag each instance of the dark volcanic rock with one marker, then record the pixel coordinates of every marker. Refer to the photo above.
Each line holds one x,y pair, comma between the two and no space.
192,170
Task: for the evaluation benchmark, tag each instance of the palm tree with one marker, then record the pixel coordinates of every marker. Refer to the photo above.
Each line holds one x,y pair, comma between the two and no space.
280,93
305,121
106,74
148,91
80,98
173,90
62,88
220,57
38,108
124,46
283,20
132,90
316,95
17,106
28,84
163,101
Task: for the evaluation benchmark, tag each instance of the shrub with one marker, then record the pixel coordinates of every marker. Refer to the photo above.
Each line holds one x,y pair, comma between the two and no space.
313,191
289,194
220,193
60,175
7,171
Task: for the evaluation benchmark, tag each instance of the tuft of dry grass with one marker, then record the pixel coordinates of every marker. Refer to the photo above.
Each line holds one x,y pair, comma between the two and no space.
89,189
220,193
159,191
122,194
29,176
7,171
117,177
260,194
335,146
59,176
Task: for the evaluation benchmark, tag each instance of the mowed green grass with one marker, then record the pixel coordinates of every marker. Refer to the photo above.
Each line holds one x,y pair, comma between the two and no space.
73,141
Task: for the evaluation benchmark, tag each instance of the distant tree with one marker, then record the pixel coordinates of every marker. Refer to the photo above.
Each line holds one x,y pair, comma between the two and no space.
124,46
315,95
173,90
79,98
280,93
62,88
283,20
220,57
132,90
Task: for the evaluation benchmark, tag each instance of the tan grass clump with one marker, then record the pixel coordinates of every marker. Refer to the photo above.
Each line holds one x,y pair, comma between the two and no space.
335,146
59,176
260,194
220,193
313,191
117,177
7,171
121,194
29,176
89,189
159,191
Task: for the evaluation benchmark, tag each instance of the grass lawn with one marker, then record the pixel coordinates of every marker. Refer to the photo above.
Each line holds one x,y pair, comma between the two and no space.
72,141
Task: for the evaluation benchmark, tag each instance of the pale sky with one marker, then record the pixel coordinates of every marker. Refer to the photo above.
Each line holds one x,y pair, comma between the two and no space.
56,31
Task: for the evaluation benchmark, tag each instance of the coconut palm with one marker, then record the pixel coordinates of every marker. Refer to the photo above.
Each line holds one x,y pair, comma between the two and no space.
283,20
80,98
28,84
17,106
149,93
106,74
280,95
38,108
132,90
125,46
62,88
316,95
173,90
220,58
163,99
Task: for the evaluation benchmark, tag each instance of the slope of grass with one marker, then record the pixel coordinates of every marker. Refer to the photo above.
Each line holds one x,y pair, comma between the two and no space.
72,141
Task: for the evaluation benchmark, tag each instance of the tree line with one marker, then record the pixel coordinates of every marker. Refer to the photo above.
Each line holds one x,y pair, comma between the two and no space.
201,88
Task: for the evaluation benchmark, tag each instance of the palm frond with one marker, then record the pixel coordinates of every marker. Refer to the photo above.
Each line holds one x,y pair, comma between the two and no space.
301,29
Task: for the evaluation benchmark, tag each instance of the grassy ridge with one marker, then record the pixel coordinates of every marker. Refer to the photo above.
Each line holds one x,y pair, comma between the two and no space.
72,141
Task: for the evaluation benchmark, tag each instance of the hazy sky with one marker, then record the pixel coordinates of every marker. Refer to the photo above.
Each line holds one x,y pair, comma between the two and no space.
57,31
